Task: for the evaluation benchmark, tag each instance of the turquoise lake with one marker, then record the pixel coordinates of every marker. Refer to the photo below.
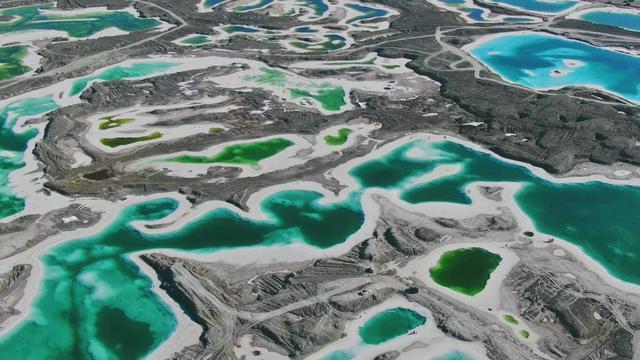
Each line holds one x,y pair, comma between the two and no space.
390,324
80,25
86,296
622,20
319,7
133,71
541,61
13,145
366,13
340,355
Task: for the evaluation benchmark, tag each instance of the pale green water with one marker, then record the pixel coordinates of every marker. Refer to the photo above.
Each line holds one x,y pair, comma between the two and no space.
269,76
196,40
90,288
133,71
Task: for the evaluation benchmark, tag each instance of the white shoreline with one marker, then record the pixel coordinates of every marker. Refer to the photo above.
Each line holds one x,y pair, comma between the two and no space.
486,38
427,335
185,213
497,3
468,4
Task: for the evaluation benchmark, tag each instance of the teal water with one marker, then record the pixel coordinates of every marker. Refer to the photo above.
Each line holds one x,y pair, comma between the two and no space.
94,302
82,25
91,289
454,355
530,60
539,6
599,218
84,307
389,324
626,21
340,355
13,145
133,71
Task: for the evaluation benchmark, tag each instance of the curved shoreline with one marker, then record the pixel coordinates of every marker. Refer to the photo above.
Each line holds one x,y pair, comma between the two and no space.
298,251
486,38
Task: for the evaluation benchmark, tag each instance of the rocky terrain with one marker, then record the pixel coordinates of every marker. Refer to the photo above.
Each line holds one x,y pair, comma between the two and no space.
296,309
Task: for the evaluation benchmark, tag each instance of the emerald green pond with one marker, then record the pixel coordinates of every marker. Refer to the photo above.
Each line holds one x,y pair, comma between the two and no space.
465,270
340,138
79,25
11,61
245,154
390,324
133,71
13,145
90,287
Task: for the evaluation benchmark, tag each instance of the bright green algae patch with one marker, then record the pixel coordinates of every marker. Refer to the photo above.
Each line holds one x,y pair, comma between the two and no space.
13,145
331,99
11,61
121,141
510,319
111,122
80,25
390,324
339,139
599,218
465,270
133,71
244,154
